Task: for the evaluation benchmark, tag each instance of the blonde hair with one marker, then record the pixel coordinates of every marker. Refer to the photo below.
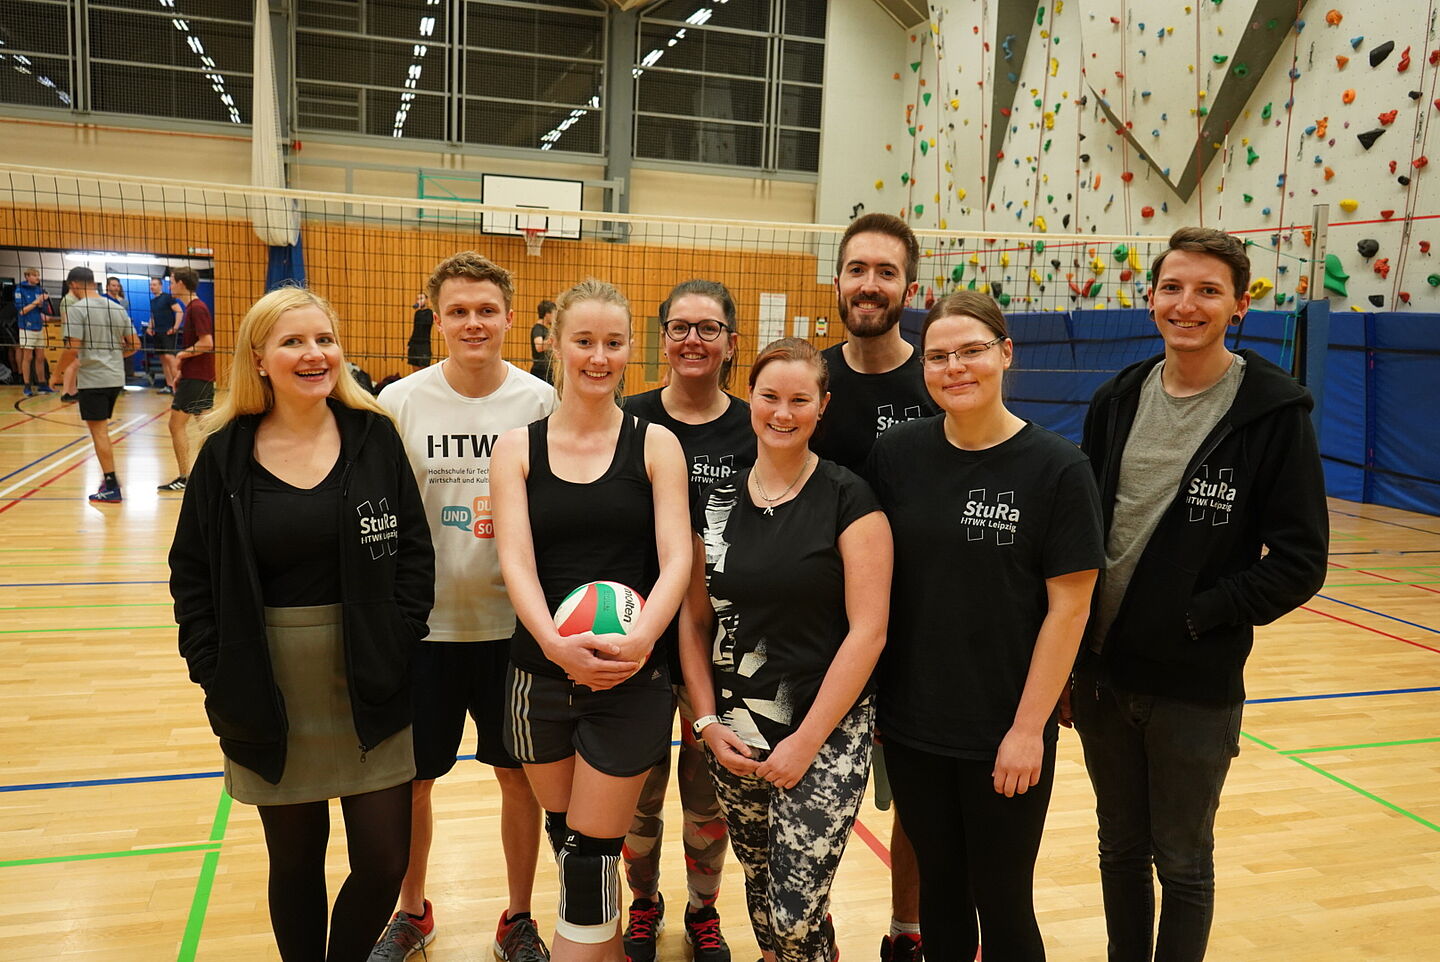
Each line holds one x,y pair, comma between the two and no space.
472,265
589,289
248,392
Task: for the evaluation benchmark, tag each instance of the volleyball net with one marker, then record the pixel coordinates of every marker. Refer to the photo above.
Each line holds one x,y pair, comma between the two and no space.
1075,303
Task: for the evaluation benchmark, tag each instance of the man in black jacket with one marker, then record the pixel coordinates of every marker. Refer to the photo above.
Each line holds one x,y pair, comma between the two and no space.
1215,522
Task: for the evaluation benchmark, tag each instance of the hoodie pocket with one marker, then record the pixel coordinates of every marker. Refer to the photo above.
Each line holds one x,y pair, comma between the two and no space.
380,644
1152,623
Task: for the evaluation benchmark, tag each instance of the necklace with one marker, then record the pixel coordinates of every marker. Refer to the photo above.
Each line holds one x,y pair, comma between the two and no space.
770,502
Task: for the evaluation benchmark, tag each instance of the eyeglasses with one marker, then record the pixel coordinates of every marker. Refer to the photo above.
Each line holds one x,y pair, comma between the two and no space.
966,354
708,330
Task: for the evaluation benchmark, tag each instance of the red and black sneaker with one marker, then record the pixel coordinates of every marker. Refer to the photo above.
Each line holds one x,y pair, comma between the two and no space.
647,921
901,948
702,931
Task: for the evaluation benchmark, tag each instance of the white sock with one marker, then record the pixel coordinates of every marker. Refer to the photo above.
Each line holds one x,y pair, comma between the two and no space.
903,928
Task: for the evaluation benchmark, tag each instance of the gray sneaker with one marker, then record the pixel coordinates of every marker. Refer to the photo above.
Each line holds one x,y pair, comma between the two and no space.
519,942
403,939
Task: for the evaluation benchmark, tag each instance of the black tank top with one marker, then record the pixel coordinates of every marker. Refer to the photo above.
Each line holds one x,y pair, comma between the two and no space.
600,531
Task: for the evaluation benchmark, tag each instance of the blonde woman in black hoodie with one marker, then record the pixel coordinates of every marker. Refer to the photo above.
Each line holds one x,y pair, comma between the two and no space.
303,574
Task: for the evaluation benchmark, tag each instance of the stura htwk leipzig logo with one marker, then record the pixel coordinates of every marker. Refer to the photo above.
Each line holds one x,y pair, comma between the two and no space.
1211,500
983,516
379,529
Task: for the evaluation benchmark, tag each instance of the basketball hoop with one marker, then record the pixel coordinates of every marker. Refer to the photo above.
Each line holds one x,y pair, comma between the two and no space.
534,239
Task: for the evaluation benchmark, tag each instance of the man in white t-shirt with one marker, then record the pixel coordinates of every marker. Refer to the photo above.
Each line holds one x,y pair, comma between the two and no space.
450,415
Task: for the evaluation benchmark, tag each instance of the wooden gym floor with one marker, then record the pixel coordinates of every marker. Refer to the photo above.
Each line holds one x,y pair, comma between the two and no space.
117,841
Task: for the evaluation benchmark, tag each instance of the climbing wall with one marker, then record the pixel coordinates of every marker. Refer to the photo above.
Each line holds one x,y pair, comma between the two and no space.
1121,117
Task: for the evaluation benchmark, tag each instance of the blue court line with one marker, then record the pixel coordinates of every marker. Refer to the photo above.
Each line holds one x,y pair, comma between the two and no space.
42,457
1340,694
73,584
1381,614
93,782
1384,554
138,779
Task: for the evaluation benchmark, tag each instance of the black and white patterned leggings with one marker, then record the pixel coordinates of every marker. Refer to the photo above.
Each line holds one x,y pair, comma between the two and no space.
790,842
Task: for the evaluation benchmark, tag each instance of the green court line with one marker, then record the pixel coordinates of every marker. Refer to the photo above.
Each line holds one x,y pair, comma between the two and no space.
1341,748
66,564
133,604
1380,584
1350,785
92,856
200,903
81,631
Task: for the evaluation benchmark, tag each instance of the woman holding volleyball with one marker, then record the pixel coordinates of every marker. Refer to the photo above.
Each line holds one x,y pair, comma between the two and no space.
997,544
303,575
589,494
698,322
793,563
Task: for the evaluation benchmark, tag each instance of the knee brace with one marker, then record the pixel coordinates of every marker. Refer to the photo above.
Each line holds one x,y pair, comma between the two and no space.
589,888
555,831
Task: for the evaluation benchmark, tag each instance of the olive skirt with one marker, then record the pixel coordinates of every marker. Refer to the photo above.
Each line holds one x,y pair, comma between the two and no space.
322,752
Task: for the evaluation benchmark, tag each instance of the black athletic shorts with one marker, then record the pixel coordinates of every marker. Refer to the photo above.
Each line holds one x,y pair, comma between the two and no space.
622,731
97,403
193,396
165,343
452,678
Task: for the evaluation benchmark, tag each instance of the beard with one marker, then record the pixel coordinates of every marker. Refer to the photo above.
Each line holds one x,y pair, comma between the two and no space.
867,327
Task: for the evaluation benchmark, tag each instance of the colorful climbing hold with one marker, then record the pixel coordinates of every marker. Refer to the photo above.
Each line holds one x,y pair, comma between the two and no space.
1348,97
1368,247
1368,138
1266,111
1378,54
1404,63
1250,156
1388,117
1420,162
1333,17
1147,212
1433,280
1335,276
1261,286
1340,61
1382,267
1349,205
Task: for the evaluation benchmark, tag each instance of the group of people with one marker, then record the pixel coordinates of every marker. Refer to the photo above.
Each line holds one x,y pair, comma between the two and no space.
873,549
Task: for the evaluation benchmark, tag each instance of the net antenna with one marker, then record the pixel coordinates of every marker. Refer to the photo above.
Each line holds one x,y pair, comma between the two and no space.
533,227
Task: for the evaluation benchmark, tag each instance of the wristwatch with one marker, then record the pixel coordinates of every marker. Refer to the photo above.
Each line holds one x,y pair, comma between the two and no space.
702,723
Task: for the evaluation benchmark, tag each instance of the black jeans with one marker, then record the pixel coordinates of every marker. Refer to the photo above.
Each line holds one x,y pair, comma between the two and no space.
1158,765
976,850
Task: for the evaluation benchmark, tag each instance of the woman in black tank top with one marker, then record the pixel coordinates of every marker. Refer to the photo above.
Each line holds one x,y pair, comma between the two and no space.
589,494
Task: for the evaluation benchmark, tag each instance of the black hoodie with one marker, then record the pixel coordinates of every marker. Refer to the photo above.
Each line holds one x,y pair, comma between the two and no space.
1185,625
387,586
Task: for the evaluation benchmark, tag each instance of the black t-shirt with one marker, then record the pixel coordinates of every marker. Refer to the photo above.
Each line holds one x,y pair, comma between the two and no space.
864,406
715,450
296,564
423,321
602,530
976,535
537,330
162,315
777,584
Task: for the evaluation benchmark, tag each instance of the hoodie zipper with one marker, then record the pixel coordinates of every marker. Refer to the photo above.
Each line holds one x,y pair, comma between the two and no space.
252,574
344,593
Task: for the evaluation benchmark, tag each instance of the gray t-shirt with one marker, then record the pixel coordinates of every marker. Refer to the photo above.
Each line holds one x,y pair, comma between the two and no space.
1165,436
101,325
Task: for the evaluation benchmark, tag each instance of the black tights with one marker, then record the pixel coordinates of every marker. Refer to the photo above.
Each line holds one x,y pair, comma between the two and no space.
377,837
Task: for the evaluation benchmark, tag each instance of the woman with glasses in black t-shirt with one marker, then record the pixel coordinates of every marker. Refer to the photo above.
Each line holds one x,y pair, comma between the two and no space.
698,321
997,545
793,565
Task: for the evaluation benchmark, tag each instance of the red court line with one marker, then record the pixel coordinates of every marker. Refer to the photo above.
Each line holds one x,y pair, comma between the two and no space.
1326,614
47,483
876,846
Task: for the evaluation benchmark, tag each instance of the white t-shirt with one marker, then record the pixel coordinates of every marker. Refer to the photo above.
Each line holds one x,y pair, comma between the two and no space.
449,438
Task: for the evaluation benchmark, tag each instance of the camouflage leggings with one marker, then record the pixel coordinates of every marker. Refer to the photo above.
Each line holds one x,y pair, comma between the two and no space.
703,834
790,842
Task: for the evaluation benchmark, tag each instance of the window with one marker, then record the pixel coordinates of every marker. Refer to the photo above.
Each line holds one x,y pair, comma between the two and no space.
171,58
731,83
35,65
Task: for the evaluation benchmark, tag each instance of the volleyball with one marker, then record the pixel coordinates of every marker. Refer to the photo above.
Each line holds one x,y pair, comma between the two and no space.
601,607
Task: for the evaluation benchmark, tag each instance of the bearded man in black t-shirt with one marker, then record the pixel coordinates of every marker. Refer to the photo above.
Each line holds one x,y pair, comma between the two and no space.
876,381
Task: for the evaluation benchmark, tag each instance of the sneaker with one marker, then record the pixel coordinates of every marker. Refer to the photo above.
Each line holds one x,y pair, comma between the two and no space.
519,941
404,937
702,931
29,391
647,921
177,485
107,495
901,948
166,389
43,389
69,398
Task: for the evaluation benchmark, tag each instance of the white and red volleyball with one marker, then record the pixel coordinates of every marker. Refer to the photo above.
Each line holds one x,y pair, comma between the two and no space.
600,607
